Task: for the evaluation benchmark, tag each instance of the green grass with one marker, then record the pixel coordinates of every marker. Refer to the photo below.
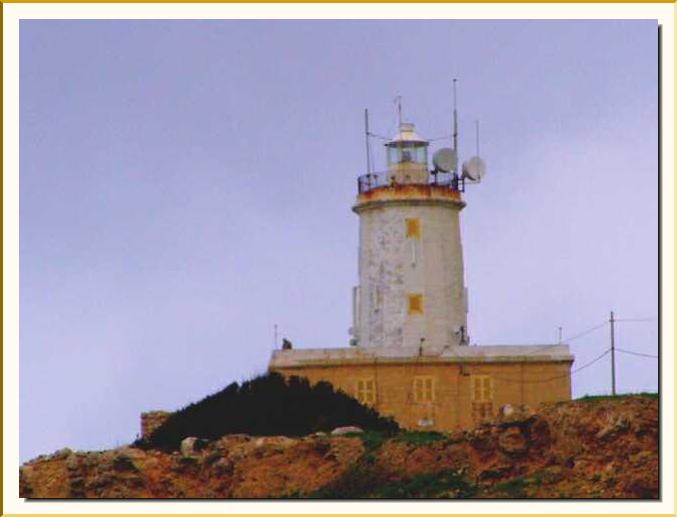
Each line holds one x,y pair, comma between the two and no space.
614,397
364,481
516,488
372,440
355,483
420,437
444,484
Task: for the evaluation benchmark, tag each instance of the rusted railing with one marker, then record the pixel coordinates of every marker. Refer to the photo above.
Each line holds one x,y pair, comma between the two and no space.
368,182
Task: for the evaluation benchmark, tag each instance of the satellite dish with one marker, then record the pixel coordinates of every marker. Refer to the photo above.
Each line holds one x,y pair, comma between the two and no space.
474,168
445,159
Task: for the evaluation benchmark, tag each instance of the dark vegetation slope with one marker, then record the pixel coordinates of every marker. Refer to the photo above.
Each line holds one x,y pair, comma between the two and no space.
267,405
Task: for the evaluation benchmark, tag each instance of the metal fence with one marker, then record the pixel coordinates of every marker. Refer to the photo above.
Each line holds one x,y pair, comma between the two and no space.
368,182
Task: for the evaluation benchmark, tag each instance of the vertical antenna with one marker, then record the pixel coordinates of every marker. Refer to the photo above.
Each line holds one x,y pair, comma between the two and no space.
275,337
455,128
398,100
366,138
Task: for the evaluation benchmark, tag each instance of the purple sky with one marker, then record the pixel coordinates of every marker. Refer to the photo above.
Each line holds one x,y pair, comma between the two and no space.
187,185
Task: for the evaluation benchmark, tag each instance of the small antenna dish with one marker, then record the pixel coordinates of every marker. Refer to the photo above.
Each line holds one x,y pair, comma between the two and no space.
474,169
445,159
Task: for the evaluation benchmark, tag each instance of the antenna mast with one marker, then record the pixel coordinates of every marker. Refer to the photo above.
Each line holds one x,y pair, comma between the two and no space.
366,138
455,129
398,100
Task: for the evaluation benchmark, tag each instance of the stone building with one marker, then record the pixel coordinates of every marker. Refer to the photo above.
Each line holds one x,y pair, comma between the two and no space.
410,356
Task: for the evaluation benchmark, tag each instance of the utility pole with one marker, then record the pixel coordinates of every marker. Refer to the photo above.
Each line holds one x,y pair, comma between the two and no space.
613,355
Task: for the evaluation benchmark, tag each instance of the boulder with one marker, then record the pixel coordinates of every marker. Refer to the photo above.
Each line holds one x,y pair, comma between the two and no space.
192,445
514,413
613,427
348,429
512,441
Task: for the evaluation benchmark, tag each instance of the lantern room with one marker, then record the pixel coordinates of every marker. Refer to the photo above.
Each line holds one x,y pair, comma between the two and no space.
407,155
407,146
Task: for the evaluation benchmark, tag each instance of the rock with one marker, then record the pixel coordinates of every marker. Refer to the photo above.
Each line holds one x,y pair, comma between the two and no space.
514,413
539,433
482,439
496,473
25,488
506,411
133,452
340,431
512,441
613,427
191,446
72,462
552,474
223,466
555,453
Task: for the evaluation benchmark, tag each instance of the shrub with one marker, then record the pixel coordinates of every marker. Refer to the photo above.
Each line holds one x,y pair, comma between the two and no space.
366,481
372,440
420,437
445,484
265,406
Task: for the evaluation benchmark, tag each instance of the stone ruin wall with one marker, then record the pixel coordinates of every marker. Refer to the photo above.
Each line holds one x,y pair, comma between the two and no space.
151,420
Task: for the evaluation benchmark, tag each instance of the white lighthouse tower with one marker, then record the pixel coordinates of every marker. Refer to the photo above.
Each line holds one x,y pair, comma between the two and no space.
411,292
409,357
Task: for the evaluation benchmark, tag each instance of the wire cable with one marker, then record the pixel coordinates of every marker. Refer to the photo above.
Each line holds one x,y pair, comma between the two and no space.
585,332
637,319
586,365
591,362
636,353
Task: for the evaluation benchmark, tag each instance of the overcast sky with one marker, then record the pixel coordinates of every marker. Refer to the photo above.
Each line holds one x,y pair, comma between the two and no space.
187,185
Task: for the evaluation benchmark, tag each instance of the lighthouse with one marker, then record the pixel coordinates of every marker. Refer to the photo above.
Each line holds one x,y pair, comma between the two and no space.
409,357
411,293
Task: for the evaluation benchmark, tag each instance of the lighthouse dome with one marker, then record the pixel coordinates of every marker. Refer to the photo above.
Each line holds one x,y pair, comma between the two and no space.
407,134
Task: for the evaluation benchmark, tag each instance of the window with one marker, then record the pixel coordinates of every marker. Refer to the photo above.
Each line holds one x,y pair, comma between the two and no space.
482,396
366,391
405,153
413,228
415,303
424,389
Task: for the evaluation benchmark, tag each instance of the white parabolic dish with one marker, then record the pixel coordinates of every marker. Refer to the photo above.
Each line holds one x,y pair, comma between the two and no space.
474,168
445,159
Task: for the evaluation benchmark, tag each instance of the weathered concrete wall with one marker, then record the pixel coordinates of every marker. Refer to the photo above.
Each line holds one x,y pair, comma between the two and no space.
393,266
528,383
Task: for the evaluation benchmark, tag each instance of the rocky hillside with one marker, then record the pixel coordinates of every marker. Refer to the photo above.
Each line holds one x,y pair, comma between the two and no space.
598,448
